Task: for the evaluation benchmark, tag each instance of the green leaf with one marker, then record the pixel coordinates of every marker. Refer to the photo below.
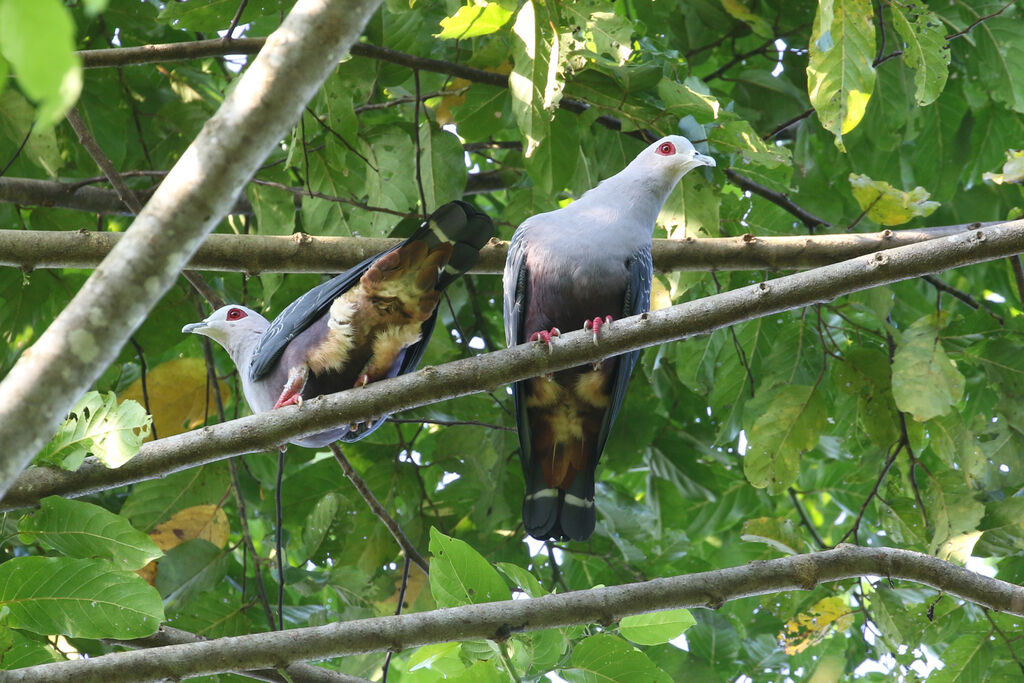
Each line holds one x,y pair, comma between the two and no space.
189,569
442,165
474,20
98,426
925,382
778,532
460,575
538,652
16,119
536,82
739,137
554,161
215,15
886,205
790,425
998,61
689,98
757,24
523,578
604,32
38,39
318,523
26,650
966,659
925,49
655,628
840,77
606,658
274,208
84,530
78,598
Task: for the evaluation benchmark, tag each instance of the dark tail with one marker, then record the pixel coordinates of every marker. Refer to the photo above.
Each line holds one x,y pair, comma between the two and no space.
465,228
559,513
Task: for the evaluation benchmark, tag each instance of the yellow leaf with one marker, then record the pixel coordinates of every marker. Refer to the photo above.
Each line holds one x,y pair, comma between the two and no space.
886,205
444,110
177,395
813,626
208,522
201,521
1013,169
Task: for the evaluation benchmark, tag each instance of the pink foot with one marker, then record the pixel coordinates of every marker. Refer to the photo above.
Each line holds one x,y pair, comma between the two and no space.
545,336
596,324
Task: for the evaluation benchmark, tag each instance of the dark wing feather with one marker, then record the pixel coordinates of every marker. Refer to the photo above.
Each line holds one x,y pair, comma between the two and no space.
636,301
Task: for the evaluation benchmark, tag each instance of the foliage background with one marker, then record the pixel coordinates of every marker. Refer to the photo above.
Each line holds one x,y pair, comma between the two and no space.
885,418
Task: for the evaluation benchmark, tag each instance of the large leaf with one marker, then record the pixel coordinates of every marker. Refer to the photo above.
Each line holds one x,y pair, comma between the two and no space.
536,82
790,425
98,425
925,49
78,598
925,382
38,39
606,658
656,628
840,77
84,530
459,575
178,398
442,164
474,20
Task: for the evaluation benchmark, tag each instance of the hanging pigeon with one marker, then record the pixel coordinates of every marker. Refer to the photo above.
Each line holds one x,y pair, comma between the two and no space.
582,265
371,322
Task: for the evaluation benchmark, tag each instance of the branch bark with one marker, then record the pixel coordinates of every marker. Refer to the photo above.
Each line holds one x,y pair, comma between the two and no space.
293,673
302,253
497,620
200,189
489,371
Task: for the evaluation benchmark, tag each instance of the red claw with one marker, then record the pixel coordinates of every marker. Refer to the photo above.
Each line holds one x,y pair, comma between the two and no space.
596,324
545,336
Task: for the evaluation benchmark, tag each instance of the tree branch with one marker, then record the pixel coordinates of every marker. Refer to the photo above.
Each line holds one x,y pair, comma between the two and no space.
497,620
206,48
31,192
297,672
302,253
488,371
87,336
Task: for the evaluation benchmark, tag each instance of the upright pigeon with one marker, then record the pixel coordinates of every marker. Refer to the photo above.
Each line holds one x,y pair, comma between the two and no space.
371,322
583,264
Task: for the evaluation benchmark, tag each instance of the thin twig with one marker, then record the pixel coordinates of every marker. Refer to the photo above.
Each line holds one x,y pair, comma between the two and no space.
1018,276
403,541
874,492
786,124
234,21
967,30
279,523
805,520
17,152
448,423
398,610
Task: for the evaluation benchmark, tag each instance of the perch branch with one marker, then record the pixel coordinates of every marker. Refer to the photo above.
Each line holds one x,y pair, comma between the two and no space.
486,372
497,620
302,253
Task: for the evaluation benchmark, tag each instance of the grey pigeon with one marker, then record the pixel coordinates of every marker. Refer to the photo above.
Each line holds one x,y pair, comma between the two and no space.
584,265
369,323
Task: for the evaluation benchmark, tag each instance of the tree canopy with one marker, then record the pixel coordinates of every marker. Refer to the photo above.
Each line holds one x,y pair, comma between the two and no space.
792,401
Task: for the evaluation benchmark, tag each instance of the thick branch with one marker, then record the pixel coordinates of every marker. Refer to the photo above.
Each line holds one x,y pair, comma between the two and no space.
30,192
296,673
86,337
496,620
489,371
301,253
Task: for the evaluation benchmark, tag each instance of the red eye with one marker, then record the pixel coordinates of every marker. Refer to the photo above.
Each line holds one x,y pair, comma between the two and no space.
236,314
666,148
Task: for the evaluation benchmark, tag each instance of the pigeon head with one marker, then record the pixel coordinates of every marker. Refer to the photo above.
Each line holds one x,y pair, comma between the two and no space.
234,327
673,156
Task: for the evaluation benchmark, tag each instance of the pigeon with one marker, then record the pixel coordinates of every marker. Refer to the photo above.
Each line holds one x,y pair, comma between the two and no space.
584,264
369,323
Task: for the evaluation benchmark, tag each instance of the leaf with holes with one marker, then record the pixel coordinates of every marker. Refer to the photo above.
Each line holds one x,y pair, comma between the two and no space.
98,426
925,49
790,425
460,575
840,77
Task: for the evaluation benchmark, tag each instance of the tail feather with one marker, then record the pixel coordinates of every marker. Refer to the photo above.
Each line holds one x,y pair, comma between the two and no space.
559,513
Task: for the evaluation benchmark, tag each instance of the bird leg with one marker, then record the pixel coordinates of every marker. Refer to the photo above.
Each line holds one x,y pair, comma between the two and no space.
292,392
545,336
595,325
